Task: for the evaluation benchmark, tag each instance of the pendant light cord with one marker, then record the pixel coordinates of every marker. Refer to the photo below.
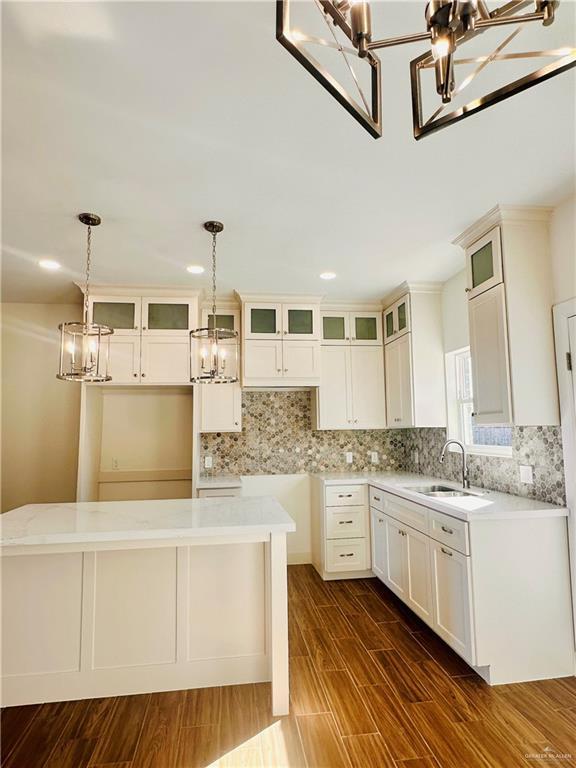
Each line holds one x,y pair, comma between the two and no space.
214,277
87,284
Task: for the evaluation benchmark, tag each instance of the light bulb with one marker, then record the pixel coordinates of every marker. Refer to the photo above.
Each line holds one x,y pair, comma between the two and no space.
440,48
70,348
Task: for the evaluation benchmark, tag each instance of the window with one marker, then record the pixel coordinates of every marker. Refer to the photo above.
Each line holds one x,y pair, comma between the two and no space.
461,426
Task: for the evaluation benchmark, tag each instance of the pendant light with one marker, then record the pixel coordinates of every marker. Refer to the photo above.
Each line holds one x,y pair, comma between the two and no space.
214,354
85,346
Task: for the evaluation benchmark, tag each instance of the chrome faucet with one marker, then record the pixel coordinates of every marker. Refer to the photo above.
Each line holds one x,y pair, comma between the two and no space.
465,471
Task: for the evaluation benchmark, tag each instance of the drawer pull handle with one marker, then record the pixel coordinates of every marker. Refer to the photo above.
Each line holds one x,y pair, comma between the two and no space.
347,554
345,522
401,532
446,551
376,498
344,495
447,530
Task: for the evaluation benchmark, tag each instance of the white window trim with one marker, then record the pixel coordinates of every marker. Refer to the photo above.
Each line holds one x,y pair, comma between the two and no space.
453,432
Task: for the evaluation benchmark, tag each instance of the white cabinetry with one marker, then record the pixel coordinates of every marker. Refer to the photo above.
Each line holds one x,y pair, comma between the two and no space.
351,327
151,342
451,588
510,298
351,392
220,407
280,345
414,365
340,531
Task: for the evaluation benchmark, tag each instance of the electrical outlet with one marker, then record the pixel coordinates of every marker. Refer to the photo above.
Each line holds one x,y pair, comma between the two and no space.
415,456
349,457
207,462
374,457
526,473
114,463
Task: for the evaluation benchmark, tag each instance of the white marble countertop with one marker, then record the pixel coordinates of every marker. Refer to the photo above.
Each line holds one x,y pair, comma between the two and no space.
481,505
132,521
219,481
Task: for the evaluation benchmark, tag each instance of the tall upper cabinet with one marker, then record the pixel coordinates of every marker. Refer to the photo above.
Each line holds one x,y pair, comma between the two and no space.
351,392
509,306
151,342
414,357
280,340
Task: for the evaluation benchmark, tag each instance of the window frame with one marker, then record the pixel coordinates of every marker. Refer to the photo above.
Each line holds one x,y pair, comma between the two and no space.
455,430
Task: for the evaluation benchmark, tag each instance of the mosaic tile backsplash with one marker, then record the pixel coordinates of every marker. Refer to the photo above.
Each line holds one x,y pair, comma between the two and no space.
277,438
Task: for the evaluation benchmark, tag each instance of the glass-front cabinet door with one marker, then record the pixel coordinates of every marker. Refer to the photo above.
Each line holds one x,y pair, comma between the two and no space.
300,321
262,320
366,328
484,264
397,319
168,316
335,328
122,313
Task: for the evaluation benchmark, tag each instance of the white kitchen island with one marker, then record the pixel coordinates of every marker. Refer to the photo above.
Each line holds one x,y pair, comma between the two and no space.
115,598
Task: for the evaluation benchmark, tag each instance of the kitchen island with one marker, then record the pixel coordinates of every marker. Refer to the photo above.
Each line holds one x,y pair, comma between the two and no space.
115,598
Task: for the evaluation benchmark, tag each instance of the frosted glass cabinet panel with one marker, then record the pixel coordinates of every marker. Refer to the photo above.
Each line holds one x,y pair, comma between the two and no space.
166,316
263,320
351,328
484,264
397,319
300,322
122,313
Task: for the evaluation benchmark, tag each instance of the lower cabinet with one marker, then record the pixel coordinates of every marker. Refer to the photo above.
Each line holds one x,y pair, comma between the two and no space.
430,577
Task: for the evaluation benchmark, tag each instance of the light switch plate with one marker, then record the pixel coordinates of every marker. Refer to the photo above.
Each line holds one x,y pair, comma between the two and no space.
207,462
526,473
349,457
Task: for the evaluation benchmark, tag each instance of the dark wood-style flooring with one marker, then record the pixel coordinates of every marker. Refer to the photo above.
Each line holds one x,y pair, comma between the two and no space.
371,687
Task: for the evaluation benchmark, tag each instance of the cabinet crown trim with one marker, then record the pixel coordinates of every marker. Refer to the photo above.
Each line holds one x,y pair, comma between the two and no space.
498,215
412,287
141,291
278,298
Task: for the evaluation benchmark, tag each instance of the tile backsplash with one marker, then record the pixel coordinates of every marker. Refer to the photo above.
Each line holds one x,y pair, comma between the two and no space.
277,438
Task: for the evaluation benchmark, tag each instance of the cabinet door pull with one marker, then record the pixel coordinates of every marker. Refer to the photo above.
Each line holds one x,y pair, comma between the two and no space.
135,375
135,327
279,370
377,498
143,375
467,290
345,522
447,530
144,328
344,495
446,551
380,520
285,370
401,532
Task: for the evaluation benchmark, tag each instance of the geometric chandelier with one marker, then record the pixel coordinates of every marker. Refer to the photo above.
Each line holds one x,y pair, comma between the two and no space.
469,44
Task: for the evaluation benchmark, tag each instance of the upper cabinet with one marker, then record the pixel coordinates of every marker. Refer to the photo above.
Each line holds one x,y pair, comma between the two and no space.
280,341
484,263
397,319
358,328
414,357
510,300
151,340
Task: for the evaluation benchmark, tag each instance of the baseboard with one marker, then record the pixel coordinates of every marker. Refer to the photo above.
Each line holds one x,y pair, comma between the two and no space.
299,558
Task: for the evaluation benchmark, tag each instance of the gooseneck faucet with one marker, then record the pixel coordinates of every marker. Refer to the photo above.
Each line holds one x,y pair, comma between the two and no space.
465,471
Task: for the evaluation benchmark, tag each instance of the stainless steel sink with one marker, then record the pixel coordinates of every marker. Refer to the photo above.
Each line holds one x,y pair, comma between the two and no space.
438,491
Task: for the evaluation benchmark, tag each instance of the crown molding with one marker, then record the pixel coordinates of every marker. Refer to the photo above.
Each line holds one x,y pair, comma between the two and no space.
411,287
502,214
295,298
148,291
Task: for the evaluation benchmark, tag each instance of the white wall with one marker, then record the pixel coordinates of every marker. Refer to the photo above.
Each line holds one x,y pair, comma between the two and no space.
563,250
40,415
293,492
455,313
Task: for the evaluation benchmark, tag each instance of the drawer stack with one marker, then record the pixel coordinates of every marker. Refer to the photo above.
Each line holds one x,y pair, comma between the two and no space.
346,528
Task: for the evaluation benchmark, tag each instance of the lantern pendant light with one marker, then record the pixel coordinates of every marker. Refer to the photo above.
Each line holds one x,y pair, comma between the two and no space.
214,354
85,346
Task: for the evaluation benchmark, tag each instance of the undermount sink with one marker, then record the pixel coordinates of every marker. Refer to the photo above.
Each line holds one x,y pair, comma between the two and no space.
442,491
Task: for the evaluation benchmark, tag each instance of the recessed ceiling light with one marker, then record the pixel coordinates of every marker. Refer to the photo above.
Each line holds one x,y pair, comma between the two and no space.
49,264
328,275
195,269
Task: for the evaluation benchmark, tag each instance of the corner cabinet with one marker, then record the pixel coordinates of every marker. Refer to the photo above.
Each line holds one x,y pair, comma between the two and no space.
280,341
414,358
151,340
510,297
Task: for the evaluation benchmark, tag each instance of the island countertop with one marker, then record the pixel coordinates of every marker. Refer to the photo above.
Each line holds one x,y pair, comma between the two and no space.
116,522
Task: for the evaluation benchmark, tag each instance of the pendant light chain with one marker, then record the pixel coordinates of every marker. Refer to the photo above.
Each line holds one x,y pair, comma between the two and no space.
214,277
88,264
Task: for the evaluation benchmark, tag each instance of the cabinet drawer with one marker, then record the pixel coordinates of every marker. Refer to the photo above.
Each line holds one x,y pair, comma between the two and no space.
406,511
348,522
347,555
449,530
345,495
377,499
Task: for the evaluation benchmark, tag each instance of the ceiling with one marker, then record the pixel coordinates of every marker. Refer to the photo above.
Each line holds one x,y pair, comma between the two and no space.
160,115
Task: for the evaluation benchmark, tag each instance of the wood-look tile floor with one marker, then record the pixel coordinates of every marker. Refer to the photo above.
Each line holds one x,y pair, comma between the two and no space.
371,687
